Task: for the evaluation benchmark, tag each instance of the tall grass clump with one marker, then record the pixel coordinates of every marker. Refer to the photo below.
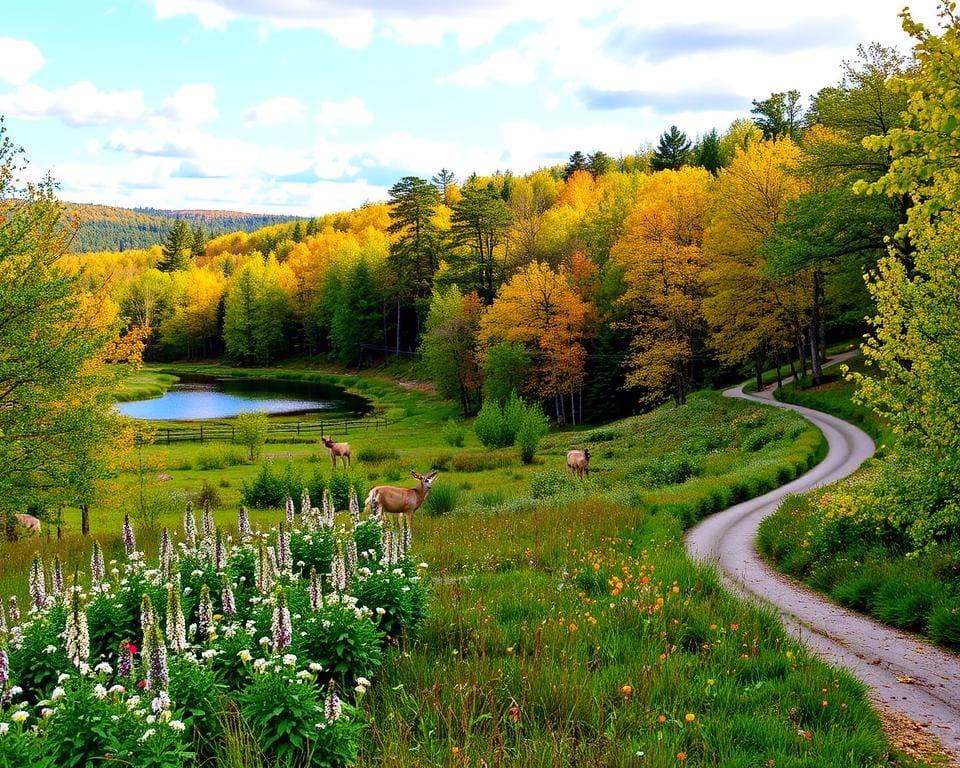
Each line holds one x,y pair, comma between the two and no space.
453,433
442,498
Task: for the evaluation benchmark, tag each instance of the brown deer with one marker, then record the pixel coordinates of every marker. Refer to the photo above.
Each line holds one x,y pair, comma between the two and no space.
578,462
337,449
395,501
31,523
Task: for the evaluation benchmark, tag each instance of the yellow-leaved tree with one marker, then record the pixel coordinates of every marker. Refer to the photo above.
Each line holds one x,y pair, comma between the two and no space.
542,310
660,254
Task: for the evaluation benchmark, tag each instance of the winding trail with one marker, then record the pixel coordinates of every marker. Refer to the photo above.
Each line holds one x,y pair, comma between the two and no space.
905,674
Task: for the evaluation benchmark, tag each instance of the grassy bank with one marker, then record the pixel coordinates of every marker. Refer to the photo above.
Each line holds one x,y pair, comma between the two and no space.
853,556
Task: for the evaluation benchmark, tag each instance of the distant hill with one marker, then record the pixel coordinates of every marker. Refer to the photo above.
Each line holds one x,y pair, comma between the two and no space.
108,228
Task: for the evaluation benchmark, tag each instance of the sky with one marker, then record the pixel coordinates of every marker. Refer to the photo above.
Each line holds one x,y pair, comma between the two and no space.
311,106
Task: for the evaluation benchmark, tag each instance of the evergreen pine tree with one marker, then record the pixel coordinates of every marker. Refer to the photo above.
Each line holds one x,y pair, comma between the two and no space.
176,247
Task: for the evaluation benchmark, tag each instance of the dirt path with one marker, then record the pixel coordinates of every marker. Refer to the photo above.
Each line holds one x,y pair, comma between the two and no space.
906,676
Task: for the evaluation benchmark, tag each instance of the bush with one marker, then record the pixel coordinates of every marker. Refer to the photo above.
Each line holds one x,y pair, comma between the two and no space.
219,459
441,499
466,461
533,426
442,462
453,433
346,645
251,432
491,428
670,469
550,483
270,488
207,496
944,625
404,605
371,455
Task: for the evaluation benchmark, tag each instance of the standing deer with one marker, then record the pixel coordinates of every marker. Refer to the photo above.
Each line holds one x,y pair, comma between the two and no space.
337,449
578,462
396,501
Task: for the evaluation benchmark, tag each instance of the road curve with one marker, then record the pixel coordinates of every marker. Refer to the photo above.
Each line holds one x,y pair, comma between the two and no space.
905,675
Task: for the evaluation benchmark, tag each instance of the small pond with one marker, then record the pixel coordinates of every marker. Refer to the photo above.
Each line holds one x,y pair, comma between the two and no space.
213,397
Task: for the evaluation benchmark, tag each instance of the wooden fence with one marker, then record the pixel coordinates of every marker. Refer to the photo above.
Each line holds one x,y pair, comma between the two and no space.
209,433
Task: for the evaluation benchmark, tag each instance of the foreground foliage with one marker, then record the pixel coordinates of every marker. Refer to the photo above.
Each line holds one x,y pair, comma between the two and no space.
275,634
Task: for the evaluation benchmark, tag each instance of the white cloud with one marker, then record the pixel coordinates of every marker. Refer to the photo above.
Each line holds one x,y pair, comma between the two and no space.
19,60
78,104
503,66
191,104
276,111
210,13
352,111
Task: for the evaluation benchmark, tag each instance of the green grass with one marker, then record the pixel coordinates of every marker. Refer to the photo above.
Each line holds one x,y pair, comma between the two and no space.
143,384
543,608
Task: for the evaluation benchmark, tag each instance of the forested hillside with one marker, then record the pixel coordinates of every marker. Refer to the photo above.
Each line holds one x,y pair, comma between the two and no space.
108,228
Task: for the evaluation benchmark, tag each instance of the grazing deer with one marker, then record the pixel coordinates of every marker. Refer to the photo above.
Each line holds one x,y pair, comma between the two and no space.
396,501
29,522
337,449
578,462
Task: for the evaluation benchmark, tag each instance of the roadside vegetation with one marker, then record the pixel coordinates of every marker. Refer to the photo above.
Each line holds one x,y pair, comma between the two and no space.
863,555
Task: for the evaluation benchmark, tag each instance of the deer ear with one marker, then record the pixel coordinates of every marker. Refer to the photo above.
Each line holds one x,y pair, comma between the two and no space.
434,473
414,473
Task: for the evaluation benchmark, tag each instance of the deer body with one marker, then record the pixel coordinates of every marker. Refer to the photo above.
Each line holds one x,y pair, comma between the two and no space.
338,449
400,503
29,522
578,462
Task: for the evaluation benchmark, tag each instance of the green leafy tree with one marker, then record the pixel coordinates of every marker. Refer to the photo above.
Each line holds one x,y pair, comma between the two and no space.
444,180
505,368
672,152
416,248
450,346
780,115
479,222
176,248
601,163
914,348
250,431
357,316
256,313
56,419
708,152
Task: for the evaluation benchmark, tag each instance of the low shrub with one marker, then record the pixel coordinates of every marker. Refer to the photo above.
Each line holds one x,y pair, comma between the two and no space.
453,433
467,461
271,488
207,496
371,455
549,483
441,499
944,625
442,462
219,458
533,426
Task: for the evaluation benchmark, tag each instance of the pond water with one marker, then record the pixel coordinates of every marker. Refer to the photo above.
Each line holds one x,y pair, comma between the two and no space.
210,397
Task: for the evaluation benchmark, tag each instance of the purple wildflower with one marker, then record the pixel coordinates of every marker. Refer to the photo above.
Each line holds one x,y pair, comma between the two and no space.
166,554
228,600
354,507
280,626
129,542
332,707
205,613
220,552
38,583
289,509
56,577
158,676
98,571
305,504
14,610
189,527
316,590
126,659
284,560
243,524
176,624
4,669
206,521
263,570
77,639
338,573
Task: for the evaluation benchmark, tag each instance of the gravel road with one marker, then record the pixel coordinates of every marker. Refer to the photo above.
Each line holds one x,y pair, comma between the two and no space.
905,675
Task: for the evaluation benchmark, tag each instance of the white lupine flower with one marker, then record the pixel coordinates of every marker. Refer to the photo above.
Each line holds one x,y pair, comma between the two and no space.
50,649
259,665
19,716
316,667
148,733
177,725
58,693
244,655
289,660
99,691
103,668
4,728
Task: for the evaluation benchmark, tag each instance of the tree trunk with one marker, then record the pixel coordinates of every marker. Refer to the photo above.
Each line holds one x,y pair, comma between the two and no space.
793,370
85,519
814,331
758,370
398,326
776,362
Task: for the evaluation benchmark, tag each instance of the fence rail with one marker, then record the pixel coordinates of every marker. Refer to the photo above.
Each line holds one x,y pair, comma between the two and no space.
210,433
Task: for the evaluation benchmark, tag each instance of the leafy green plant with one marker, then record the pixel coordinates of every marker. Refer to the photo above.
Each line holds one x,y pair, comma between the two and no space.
347,647
442,498
453,433
533,426
250,431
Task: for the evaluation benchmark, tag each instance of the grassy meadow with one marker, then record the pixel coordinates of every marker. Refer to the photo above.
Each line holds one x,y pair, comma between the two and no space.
565,624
